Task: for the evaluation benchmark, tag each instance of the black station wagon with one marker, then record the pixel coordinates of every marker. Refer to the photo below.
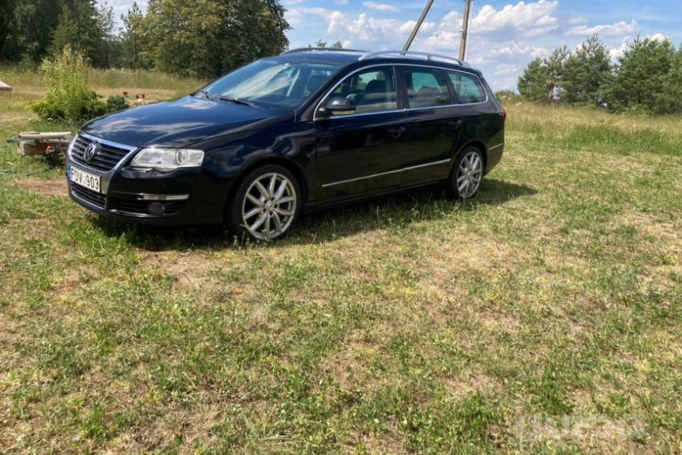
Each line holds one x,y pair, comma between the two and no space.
304,130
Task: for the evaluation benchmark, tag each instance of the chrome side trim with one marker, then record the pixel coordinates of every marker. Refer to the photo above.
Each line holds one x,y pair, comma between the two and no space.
329,92
164,197
397,171
495,146
118,145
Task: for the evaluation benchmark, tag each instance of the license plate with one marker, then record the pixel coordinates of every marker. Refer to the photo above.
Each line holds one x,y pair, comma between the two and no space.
82,178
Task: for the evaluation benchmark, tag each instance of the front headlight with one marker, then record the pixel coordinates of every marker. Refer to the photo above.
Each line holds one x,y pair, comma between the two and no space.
168,159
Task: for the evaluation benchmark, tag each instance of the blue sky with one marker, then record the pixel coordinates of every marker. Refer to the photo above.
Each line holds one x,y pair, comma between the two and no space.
505,35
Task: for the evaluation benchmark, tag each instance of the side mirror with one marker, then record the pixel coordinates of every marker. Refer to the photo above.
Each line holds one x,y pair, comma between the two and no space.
338,106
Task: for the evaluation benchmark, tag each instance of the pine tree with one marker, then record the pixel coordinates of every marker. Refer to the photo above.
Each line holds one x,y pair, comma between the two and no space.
556,65
133,38
586,71
85,28
669,101
641,75
66,33
533,82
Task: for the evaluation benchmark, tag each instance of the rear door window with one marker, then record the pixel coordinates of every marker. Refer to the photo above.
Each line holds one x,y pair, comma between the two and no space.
468,88
425,88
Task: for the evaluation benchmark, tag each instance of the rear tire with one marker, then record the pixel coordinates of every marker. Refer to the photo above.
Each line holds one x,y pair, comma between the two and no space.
467,174
265,204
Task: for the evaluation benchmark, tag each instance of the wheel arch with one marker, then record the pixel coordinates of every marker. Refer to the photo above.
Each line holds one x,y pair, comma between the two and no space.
472,143
480,146
288,164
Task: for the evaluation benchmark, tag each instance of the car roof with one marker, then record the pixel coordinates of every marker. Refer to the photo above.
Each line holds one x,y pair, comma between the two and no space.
344,57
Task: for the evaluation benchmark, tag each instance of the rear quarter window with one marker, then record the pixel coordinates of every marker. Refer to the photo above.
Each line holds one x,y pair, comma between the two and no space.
468,88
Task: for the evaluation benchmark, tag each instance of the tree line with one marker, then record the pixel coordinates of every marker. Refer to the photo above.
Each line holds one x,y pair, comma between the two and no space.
200,38
647,77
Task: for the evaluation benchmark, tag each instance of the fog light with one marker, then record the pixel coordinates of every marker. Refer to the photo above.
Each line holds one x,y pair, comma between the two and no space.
156,208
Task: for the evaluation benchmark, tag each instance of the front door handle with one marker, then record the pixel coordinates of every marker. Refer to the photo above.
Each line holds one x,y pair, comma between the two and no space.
397,131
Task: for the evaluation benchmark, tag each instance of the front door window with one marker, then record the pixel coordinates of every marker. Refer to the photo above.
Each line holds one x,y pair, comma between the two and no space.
372,90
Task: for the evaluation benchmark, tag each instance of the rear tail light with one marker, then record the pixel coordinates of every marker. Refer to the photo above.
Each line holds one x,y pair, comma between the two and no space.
504,115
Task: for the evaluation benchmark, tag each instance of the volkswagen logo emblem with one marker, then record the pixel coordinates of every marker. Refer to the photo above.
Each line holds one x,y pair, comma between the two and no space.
91,151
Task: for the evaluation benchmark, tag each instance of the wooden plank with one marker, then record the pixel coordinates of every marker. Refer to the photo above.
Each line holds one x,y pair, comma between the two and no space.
43,136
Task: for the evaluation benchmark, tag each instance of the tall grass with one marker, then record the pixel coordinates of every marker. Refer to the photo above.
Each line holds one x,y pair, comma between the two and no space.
113,78
23,79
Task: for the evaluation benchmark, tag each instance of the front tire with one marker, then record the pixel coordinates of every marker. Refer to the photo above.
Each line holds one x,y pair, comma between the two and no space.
467,174
265,204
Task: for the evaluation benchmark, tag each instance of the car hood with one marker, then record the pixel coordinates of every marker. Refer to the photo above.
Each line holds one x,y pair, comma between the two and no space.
181,123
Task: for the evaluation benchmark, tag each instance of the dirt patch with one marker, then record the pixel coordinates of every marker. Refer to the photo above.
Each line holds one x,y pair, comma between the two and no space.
352,364
192,272
44,187
443,266
189,270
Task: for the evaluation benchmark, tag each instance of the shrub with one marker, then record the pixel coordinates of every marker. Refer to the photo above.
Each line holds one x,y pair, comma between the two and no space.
68,96
507,97
117,103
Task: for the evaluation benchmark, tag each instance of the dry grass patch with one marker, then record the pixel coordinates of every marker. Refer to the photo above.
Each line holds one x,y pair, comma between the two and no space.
57,188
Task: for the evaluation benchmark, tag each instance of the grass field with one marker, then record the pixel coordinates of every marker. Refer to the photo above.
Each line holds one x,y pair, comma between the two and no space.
543,317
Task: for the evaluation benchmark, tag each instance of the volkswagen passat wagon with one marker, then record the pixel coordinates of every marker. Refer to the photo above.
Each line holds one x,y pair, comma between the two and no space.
305,130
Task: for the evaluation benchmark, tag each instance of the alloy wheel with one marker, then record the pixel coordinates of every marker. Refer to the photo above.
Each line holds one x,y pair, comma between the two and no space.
469,175
269,206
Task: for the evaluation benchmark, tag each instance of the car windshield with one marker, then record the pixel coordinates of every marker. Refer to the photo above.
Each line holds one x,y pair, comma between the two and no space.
271,83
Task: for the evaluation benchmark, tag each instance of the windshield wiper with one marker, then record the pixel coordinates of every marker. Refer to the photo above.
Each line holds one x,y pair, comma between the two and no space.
235,101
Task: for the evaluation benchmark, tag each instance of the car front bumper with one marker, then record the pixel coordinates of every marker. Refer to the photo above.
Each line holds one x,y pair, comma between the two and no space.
182,197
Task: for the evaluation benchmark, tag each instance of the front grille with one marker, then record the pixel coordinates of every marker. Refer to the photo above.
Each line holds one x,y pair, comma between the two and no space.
92,197
142,207
104,160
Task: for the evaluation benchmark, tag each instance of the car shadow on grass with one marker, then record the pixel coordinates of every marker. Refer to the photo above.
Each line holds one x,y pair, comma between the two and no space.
325,225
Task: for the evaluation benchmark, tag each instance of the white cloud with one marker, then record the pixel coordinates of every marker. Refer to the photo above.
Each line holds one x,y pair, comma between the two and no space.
367,31
660,37
514,49
618,52
408,26
294,16
520,20
305,13
443,40
381,7
341,2
531,19
617,29
451,21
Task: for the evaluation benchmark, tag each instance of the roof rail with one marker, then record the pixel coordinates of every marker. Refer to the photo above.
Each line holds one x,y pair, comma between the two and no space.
415,55
320,49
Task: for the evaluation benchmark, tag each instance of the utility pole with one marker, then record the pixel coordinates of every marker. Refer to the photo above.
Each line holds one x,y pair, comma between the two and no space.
417,26
465,30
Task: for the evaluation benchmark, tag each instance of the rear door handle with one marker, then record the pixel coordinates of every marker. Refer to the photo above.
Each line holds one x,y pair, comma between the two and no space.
397,131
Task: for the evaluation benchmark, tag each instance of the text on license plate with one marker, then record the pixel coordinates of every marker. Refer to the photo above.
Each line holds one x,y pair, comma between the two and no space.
82,178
